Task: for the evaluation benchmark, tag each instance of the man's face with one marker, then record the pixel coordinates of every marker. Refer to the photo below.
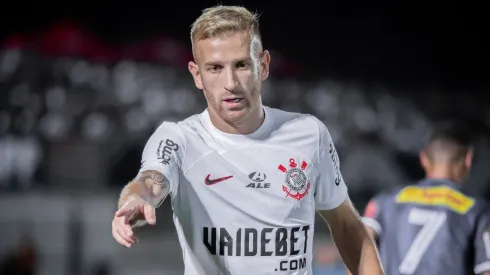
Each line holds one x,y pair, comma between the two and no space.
230,70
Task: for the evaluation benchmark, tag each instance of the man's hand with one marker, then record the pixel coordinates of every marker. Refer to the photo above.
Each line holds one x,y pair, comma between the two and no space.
137,204
135,212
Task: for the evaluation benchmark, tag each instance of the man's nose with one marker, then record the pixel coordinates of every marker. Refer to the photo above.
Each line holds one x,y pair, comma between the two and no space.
231,81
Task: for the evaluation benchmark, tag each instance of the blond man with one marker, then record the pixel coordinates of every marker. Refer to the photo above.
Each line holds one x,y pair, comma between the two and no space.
245,180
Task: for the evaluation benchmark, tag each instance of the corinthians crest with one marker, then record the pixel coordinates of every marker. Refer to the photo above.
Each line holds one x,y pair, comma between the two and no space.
296,180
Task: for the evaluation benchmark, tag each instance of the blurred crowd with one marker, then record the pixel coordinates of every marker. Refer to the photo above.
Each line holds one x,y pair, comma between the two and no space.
73,110
75,113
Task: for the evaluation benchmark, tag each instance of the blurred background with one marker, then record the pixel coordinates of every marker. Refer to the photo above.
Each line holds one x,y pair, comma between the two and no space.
83,84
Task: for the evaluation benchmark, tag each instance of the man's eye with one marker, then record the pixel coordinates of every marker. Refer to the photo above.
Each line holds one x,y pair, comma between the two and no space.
241,65
215,68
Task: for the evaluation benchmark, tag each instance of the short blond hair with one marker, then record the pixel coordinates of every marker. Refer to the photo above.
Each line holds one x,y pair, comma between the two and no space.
220,20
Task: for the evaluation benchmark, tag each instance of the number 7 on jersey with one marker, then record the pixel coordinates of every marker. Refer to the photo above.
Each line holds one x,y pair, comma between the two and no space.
431,221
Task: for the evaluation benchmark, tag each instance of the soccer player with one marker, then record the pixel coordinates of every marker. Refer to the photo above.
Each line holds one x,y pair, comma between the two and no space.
434,227
244,179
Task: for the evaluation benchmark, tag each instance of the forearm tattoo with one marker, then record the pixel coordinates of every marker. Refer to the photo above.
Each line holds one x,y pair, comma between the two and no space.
153,177
157,185
154,188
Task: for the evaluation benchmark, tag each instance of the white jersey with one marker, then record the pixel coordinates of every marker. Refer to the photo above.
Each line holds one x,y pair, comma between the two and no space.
245,204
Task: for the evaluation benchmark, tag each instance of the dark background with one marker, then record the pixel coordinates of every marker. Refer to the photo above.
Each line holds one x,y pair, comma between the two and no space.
379,74
441,44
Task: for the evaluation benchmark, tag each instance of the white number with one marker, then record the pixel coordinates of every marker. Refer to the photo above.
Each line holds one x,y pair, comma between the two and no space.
486,243
431,222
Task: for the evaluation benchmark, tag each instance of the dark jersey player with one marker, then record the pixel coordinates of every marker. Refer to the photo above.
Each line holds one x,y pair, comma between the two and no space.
433,227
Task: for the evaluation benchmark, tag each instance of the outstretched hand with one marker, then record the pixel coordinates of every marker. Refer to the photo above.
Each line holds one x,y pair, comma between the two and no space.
135,212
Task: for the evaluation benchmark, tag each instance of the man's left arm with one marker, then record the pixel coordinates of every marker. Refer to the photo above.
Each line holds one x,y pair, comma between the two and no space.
356,246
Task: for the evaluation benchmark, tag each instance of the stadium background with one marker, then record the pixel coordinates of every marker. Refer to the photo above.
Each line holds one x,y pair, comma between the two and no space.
83,84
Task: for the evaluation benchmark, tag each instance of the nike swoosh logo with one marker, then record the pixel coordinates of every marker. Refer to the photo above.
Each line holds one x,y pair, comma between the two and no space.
209,181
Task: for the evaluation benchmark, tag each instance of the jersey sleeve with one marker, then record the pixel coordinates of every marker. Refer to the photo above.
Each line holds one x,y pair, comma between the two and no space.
372,215
164,152
331,190
482,244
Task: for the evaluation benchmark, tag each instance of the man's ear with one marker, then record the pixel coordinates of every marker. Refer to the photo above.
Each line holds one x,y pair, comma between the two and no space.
196,74
265,61
424,160
469,158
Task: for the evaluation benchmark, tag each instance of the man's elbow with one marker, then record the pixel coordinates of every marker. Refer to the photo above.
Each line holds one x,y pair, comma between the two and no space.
358,229
345,223
371,232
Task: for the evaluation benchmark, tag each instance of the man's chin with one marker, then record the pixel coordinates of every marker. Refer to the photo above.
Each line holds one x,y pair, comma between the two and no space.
234,115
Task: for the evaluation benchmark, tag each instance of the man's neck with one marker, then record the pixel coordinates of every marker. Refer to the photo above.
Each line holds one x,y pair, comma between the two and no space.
446,174
247,125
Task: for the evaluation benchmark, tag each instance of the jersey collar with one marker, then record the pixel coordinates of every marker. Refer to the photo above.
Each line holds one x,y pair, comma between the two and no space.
261,133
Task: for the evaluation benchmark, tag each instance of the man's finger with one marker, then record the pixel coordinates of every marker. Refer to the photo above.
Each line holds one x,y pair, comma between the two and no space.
123,211
120,239
149,212
125,229
130,239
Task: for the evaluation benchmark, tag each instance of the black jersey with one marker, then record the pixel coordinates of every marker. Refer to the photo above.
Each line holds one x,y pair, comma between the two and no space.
431,228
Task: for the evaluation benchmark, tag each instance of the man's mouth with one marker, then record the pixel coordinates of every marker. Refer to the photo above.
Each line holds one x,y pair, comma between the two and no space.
233,100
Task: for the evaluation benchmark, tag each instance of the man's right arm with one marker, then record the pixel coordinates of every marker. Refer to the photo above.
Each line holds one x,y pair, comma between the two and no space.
151,186
158,176
160,163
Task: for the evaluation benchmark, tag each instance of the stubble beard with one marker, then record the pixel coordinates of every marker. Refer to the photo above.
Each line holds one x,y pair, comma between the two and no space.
235,115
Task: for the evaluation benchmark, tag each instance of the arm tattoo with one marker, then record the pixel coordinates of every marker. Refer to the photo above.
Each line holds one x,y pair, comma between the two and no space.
151,185
153,177
157,185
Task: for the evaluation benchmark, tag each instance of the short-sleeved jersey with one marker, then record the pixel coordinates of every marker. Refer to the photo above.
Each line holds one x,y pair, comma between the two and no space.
245,204
431,228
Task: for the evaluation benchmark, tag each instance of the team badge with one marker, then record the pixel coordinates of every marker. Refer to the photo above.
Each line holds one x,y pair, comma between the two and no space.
296,180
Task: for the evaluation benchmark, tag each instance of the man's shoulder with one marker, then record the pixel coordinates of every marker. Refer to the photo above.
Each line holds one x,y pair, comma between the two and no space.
287,116
481,206
391,194
301,122
183,126
388,196
178,132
